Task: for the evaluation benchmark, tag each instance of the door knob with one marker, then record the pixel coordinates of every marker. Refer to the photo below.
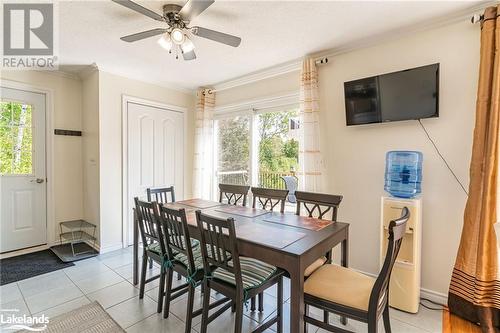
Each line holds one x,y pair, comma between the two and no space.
38,180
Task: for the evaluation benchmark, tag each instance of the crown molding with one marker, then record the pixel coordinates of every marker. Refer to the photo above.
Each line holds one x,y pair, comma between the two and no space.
295,65
267,73
162,84
60,73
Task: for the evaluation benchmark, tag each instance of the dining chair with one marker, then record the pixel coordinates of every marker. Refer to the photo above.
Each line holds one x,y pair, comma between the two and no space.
352,294
268,198
318,205
152,242
233,193
183,257
160,194
236,277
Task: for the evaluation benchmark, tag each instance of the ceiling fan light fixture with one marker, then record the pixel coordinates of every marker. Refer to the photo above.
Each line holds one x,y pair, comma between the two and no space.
166,42
187,46
177,36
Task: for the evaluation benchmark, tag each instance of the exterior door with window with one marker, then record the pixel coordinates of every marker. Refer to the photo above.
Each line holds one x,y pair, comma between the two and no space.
22,170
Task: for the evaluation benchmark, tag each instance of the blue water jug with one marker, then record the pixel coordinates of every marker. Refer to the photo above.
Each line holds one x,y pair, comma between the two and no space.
403,173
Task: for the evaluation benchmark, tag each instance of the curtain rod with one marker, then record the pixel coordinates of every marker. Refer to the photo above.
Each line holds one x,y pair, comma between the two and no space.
476,18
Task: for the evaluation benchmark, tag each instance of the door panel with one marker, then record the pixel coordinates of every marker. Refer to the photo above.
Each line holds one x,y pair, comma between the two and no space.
155,152
23,218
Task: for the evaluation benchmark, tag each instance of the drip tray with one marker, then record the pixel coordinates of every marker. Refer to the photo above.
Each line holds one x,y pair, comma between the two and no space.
82,251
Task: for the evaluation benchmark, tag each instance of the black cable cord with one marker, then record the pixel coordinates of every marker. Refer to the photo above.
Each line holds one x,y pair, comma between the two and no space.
432,302
442,157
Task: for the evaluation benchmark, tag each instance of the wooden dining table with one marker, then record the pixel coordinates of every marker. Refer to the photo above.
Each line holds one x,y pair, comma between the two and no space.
286,240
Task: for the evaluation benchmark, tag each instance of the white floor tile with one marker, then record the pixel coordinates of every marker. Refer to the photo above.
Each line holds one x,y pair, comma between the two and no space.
98,281
65,307
15,308
114,294
430,320
42,283
118,260
9,293
87,270
156,323
52,297
132,311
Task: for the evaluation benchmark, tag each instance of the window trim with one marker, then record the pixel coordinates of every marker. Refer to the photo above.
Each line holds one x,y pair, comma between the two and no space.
251,109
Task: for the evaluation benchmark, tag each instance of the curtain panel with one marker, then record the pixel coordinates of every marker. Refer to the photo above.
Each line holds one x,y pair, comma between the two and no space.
474,292
310,173
203,147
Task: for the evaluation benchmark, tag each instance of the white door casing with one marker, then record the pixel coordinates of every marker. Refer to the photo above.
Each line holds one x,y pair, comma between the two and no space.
155,153
24,194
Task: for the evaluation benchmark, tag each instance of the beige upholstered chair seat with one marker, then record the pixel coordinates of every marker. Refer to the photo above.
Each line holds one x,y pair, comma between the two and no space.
314,266
340,285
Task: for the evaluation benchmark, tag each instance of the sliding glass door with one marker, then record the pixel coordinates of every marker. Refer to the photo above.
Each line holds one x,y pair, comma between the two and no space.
257,147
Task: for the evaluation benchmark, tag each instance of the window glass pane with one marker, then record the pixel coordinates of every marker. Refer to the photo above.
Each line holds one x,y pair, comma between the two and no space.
234,150
16,138
278,147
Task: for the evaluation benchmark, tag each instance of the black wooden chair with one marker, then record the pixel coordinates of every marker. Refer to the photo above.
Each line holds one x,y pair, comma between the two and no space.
352,294
238,278
233,194
321,206
184,257
160,195
152,242
268,198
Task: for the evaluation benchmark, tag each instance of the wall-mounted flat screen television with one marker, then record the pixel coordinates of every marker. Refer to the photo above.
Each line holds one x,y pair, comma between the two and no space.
404,95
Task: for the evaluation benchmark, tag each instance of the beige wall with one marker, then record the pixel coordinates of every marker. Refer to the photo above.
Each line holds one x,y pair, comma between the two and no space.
67,151
111,90
355,156
90,148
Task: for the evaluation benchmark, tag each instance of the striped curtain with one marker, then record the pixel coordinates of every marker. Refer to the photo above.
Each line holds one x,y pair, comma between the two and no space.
474,292
203,147
310,171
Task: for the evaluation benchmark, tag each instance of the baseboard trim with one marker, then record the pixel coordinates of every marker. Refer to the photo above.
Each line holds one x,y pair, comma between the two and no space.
109,248
424,293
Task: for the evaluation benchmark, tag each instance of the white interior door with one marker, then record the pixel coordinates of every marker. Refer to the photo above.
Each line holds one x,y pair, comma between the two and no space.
155,152
22,170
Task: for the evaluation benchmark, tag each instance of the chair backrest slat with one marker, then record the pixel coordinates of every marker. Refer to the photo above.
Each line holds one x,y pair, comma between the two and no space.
269,198
176,234
218,245
233,194
160,195
380,292
318,204
149,226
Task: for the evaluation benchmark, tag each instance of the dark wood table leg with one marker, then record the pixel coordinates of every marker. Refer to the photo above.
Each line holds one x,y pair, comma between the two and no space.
296,300
345,261
136,251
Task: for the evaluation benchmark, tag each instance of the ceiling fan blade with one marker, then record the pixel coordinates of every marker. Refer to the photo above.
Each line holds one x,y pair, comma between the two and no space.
138,8
189,55
143,35
194,8
216,36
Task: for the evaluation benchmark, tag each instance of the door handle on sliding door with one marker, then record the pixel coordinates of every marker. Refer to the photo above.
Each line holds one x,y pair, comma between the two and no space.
38,180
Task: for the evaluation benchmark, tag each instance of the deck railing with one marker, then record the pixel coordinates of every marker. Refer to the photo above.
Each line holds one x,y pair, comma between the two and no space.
265,178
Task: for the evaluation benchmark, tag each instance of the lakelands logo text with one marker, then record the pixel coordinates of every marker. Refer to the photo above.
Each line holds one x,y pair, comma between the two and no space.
11,320
28,36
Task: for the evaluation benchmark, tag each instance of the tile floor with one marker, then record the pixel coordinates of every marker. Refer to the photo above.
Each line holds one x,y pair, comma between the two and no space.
108,280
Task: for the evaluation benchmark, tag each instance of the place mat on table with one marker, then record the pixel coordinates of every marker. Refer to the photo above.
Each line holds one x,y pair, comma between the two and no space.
199,203
303,222
241,211
267,234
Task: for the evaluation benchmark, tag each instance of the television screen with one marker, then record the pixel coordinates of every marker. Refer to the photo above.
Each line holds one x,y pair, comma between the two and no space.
404,95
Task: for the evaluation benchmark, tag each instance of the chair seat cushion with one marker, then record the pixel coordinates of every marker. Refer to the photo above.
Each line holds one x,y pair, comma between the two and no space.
253,273
340,285
314,266
155,247
197,259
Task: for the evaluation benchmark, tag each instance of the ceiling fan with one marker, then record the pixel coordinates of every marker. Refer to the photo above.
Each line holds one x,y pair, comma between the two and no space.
175,35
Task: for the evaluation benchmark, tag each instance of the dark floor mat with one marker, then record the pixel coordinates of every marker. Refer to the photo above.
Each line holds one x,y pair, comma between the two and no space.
29,265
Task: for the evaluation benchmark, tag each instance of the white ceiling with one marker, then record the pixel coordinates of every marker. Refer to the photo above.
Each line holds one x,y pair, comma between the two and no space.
272,32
